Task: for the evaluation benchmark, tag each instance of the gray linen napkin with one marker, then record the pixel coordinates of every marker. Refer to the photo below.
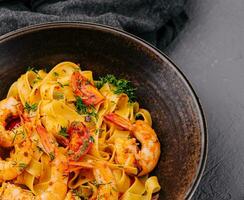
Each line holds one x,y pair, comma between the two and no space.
157,21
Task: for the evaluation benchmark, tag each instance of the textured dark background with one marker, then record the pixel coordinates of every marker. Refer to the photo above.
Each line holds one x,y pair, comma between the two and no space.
209,51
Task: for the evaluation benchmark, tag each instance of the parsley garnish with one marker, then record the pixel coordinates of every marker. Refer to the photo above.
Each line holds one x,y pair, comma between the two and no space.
70,152
62,85
30,68
106,79
122,86
95,183
63,132
14,163
82,150
52,156
37,79
55,74
58,95
16,133
81,108
79,194
30,107
76,69
22,166
91,139
39,149
97,131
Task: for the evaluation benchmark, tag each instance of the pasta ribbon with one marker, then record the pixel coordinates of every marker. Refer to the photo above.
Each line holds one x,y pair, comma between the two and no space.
89,138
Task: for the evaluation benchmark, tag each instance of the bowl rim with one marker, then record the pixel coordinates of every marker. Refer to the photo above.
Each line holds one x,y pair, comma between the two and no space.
153,49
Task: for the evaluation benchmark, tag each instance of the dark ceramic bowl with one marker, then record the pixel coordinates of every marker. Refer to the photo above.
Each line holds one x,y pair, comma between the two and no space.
162,88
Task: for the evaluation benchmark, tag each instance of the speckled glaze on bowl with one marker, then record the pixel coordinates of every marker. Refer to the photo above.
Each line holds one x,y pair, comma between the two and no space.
162,89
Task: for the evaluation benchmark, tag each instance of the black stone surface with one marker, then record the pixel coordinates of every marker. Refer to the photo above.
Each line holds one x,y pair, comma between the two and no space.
210,52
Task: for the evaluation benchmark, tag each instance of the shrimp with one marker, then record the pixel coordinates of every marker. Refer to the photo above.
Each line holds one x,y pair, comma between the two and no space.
58,182
80,140
18,161
84,89
46,138
127,150
105,182
11,130
11,191
148,156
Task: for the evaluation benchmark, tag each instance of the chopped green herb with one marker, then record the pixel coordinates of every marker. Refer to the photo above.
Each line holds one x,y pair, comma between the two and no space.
107,79
70,152
14,163
63,85
16,133
63,132
113,102
76,194
91,139
92,112
122,86
37,79
79,194
22,166
58,95
97,131
99,184
81,108
55,74
76,69
82,150
30,107
39,149
87,82
52,156
30,68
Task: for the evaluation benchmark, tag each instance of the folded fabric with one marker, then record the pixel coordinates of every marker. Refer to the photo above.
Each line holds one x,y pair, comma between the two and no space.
157,21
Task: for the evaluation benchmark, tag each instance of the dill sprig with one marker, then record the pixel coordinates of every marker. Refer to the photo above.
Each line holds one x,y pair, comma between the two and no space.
58,95
81,108
63,132
51,155
30,107
63,85
91,139
22,166
122,86
55,74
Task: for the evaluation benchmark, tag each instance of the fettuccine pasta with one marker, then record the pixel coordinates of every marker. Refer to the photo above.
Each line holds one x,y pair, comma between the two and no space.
71,137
